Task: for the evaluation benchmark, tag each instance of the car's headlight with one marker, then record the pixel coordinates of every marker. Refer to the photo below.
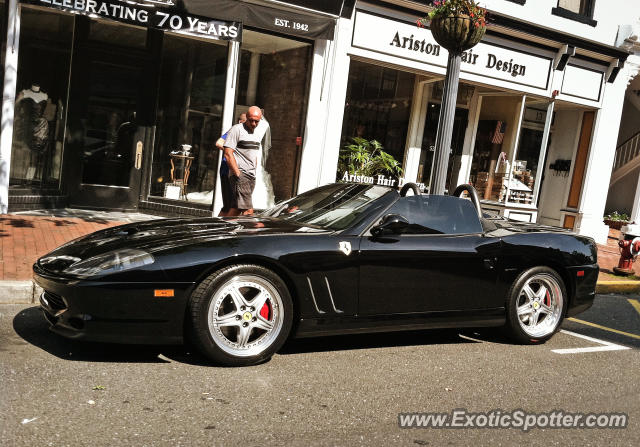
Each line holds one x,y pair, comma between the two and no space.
111,262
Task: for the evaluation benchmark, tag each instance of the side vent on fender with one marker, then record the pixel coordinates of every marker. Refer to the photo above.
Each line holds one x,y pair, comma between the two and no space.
313,297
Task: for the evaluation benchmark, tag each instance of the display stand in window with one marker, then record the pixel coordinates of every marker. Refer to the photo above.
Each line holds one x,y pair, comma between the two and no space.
521,184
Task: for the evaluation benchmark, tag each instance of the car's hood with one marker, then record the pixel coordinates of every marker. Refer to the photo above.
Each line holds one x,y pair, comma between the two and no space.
162,234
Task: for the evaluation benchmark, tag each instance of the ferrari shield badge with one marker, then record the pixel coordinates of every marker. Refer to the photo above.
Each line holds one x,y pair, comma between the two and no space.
345,247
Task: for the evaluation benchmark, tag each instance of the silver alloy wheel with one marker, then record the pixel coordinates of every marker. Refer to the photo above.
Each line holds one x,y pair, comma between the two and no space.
235,315
539,305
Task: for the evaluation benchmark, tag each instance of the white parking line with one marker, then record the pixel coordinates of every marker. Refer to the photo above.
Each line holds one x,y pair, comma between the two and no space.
606,346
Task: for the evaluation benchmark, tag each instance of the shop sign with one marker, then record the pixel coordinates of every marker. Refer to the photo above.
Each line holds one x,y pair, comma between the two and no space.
291,23
378,179
533,115
582,82
407,41
149,14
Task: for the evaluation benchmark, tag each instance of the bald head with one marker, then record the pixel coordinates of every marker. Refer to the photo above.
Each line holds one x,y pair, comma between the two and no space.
254,115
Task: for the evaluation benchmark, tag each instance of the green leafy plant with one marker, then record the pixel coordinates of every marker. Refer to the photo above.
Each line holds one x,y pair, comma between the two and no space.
446,8
617,217
364,157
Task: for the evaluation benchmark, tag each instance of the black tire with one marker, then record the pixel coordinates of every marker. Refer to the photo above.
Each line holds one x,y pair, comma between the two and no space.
541,311
220,337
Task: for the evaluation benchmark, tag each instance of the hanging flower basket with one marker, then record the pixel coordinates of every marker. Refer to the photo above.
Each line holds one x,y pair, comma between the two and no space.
457,25
456,33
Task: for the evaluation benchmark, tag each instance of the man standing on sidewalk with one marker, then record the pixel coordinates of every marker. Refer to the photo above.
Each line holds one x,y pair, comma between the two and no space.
225,187
241,151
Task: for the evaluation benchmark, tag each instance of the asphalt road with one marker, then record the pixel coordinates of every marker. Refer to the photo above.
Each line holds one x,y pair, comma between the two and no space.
326,391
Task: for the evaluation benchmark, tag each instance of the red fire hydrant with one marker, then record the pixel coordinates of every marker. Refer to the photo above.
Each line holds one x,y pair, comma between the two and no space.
629,249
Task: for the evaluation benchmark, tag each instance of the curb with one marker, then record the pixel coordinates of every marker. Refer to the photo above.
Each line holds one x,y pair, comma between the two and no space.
19,292
618,287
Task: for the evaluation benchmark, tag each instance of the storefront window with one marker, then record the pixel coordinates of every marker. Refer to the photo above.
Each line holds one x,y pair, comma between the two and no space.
502,170
274,75
41,99
494,146
190,102
378,106
524,168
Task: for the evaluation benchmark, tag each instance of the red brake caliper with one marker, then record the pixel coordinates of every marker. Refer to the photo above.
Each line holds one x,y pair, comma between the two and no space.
547,299
265,312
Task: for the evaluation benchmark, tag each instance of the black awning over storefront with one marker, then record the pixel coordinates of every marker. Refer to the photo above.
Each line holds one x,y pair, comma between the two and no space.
299,24
162,14
216,19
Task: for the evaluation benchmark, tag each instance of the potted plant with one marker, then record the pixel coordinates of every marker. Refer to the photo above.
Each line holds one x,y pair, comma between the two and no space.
457,25
616,220
367,158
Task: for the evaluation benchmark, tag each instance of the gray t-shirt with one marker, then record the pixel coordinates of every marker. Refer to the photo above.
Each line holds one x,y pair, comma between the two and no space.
245,147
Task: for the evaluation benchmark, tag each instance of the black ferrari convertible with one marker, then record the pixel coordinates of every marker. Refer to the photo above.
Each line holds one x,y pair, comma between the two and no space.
341,258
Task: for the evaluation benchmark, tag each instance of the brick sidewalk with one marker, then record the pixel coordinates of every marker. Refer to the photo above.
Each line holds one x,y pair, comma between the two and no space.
25,238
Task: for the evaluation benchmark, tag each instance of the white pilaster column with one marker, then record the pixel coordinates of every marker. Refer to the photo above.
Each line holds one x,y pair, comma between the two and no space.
228,113
421,93
600,163
327,92
469,138
8,101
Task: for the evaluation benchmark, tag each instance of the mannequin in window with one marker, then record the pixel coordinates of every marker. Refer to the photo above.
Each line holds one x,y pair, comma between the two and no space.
31,129
34,93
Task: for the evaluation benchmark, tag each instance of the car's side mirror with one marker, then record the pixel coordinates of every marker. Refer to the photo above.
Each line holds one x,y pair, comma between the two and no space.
391,223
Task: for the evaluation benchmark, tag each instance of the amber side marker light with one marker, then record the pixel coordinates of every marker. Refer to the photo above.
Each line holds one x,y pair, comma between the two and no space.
580,273
163,293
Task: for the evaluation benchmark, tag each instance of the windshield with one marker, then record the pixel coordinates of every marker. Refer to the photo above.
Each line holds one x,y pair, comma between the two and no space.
334,206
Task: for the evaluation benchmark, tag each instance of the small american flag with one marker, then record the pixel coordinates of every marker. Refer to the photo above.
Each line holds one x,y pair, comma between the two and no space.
498,134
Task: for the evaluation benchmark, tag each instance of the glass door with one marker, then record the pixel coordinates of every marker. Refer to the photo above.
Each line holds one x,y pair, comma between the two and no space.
106,135
425,170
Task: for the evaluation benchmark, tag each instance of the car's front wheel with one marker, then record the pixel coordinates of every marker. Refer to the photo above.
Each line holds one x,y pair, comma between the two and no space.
241,315
535,305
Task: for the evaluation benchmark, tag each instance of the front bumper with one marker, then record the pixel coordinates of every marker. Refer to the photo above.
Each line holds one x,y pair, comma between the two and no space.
112,312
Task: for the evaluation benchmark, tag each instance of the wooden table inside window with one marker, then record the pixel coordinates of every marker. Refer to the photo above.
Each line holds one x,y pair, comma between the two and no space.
185,166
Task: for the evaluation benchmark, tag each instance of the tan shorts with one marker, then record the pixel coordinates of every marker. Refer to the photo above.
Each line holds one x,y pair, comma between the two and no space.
241,191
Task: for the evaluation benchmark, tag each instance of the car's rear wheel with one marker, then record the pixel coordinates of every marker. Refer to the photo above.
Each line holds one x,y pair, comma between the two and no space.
241,315
535,305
